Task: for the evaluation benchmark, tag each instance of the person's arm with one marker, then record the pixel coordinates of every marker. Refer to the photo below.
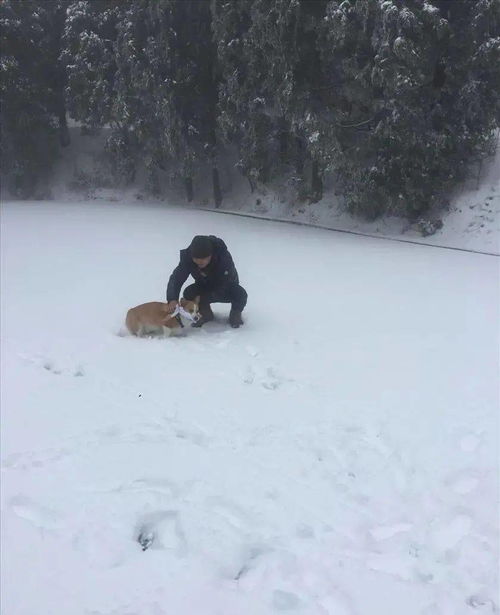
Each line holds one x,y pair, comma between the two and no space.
179,276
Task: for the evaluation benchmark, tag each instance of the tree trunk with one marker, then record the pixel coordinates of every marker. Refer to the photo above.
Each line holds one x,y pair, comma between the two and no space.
264,172
216,185
283,140
57,79
188,183
64,138
316,183
300,156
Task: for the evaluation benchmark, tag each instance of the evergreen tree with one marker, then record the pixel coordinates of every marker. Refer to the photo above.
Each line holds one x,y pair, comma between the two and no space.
31,90
89,57
393,97
147,69
231,21
408,73
268,61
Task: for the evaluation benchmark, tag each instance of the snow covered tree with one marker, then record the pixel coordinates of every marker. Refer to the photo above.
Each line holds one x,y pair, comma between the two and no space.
411,74
394,97
231,21
31,90
89,57
89,54
269,69
310,97
145,68
156,86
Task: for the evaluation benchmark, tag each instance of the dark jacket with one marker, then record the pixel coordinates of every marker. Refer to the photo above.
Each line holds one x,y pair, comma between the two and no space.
218,274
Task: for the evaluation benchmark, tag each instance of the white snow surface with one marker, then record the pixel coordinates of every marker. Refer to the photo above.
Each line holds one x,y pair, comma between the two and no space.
337,455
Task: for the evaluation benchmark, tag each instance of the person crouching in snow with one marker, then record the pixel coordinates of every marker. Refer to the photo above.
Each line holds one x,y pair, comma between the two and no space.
208,260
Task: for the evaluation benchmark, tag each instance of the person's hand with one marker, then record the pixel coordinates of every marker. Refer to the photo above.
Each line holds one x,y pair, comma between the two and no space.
171,305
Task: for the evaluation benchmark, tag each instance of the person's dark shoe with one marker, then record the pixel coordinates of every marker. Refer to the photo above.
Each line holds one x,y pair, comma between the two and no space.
235,319
206,315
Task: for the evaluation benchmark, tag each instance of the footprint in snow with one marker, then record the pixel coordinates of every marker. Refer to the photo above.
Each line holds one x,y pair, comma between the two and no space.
154,485
102,544
231,513
390,564
36,514
249,560
252,351
447,535
271,380
50,367
285,601
388,531
195,437
157,433
336,605
478,601
470,443
304,531
23,461
53,367
162,530
464,482
268,378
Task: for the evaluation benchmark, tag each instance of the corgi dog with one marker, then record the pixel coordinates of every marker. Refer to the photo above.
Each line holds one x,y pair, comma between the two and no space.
153,319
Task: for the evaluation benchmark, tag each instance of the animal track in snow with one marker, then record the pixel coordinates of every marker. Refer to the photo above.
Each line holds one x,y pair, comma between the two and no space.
53,366
260,373
267,377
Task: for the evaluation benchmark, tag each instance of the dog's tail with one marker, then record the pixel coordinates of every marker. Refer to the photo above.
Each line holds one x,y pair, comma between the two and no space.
123,332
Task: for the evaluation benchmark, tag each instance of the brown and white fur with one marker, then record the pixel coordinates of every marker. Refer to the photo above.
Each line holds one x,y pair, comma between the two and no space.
152,318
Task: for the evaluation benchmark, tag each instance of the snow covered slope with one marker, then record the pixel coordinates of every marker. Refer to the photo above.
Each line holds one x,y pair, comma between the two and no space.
338,455
472,220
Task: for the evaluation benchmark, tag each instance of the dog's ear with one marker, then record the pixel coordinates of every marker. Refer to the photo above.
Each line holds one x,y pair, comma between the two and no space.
197,299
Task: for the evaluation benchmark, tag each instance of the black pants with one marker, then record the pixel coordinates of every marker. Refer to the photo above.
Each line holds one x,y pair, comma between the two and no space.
234,294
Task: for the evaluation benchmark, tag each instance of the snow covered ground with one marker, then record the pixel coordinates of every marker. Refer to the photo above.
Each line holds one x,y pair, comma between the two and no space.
338,455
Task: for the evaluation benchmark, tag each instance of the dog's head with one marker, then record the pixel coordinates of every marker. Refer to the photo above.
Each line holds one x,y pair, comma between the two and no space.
191,307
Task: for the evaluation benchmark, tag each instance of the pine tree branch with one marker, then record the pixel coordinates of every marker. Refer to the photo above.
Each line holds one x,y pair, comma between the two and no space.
364,122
